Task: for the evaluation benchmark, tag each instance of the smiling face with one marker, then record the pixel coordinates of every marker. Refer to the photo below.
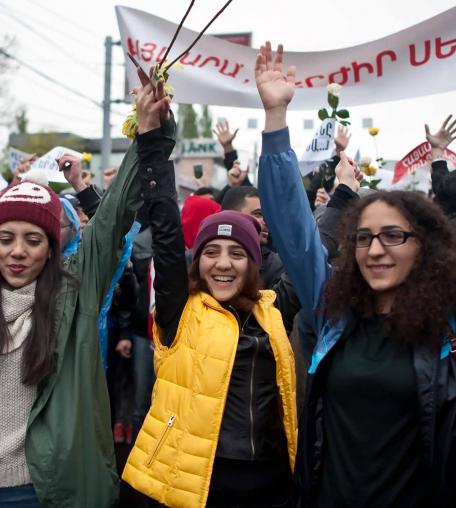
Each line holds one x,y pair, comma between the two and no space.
223,266
385,268
24,250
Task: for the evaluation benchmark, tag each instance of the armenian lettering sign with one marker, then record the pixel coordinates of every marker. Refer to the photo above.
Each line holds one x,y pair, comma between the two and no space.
321,148
417,61
418,158
14,158
48,163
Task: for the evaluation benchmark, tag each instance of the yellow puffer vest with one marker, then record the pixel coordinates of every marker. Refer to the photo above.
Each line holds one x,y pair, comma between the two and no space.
173,456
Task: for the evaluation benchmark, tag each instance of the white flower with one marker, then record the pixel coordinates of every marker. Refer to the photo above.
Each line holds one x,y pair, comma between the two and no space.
365,161
334,88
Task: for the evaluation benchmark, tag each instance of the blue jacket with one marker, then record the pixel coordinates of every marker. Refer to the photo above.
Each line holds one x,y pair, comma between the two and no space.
290,220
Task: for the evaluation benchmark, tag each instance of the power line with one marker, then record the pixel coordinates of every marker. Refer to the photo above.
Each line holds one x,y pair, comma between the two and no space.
64,18
55,29
58,83
59,113
49,41
49,78
56,93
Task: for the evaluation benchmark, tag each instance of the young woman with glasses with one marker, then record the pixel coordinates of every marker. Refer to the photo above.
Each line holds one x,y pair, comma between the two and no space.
379,427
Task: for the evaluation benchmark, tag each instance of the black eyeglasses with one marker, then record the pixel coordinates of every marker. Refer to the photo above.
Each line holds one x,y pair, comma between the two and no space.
386,238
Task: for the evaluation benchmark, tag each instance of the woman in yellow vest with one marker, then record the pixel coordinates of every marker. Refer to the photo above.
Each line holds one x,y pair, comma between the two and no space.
222,429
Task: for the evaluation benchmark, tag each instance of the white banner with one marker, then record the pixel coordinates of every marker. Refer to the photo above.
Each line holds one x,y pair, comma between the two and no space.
417,61
14,158
48,164
321,148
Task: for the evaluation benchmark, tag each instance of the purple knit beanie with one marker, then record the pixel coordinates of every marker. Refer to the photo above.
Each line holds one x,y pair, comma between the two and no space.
232,225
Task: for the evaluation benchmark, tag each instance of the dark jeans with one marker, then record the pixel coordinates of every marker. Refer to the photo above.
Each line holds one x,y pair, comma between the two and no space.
144,379
251,484
279,502
18,497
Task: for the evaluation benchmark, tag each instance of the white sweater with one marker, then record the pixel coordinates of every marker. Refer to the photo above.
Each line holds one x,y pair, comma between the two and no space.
16,399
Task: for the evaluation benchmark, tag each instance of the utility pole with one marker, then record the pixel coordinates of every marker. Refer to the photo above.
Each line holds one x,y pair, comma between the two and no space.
106,143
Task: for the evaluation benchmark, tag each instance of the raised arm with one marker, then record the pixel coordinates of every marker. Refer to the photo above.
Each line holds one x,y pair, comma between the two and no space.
159,191
283,198
225,138
101,246
443,184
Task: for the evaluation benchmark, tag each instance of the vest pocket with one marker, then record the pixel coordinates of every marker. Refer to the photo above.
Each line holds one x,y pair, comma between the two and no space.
160,441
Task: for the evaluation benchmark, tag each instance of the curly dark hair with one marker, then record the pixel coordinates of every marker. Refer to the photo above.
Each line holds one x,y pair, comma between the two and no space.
245,300
429,292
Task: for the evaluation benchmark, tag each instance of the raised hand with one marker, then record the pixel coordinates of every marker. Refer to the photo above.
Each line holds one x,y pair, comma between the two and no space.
236,175
444,136
322,197
348,173
152,105
224,135
276,89
72,171
341,139
26,163
108,176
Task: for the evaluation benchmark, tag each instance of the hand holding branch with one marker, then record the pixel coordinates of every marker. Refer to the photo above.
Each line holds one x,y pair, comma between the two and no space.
348,173
152,106
322,197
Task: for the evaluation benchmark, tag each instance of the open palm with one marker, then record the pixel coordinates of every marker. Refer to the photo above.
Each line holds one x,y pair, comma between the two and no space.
445,135
275,89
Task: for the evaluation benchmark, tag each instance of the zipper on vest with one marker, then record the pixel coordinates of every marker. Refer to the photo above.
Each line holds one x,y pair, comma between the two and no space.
252,373
160,441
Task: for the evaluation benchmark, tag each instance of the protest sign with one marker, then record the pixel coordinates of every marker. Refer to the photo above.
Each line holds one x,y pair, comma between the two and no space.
418,158
417,61
14,158
3,183
48,164
321,148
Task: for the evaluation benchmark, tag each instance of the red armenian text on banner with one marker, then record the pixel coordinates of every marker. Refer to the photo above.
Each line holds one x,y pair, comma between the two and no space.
417,158
419,60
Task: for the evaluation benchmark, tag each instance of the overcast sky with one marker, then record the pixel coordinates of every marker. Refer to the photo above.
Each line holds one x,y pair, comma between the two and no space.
65,40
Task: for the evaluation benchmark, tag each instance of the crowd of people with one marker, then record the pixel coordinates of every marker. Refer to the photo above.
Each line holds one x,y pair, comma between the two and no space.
270,347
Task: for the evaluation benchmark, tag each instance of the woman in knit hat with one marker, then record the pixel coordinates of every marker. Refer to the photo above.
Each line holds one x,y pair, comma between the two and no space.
221,430
55,435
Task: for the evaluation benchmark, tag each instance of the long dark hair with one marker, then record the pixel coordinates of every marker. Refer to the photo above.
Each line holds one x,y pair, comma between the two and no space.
39,348
243,301
422,302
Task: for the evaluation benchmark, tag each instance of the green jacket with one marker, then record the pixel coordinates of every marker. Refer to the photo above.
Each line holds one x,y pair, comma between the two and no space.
69,446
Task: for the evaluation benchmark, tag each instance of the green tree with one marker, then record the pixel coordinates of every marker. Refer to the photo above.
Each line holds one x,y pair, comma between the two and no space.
205,123
188,127
21,121
41,142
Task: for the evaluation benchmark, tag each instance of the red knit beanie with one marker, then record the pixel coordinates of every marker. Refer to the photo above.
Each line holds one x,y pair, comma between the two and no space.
233,225
33,202
195,209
